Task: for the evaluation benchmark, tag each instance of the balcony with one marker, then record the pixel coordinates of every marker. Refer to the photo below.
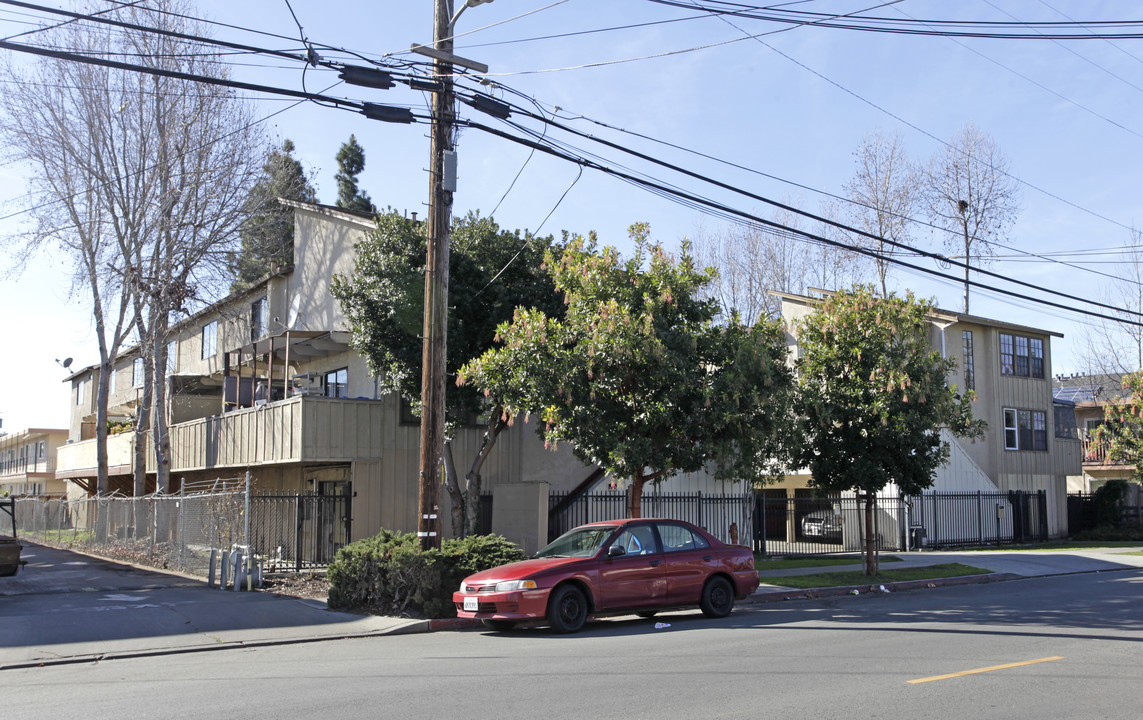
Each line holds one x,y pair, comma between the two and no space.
77,459
301,429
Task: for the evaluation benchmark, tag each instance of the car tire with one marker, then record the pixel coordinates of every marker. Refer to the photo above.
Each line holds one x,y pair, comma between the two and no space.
647,613
717,598
567,609
499,625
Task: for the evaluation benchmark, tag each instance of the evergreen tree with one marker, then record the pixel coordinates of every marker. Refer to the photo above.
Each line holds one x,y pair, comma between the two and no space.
350,163
267,233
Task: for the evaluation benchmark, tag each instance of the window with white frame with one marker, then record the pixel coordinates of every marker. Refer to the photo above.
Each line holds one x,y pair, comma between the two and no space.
1025,429
209,340
137,372
79,391
172,357
111,381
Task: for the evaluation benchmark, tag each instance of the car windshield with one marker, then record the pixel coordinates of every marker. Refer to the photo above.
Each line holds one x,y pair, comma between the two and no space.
581,542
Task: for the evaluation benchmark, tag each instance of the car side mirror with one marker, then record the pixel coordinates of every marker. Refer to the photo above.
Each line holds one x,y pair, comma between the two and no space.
616,551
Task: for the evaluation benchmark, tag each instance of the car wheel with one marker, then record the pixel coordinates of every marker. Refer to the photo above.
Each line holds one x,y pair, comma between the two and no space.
567,609
717,598
499,625
647,613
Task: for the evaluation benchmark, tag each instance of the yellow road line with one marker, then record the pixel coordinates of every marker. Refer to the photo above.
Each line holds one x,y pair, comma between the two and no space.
984,670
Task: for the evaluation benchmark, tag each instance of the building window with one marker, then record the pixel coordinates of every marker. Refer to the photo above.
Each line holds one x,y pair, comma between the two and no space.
42,450
337,383
969,367
79,392
257,318
172,357
1025,430
1036,357
1007,364
1021,356
111,382
209,340
137,372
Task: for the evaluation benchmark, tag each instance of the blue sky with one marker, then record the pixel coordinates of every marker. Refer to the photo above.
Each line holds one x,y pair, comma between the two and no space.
793,104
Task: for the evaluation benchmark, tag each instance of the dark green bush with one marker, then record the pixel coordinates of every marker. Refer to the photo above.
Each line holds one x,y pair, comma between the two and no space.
1107,498
390,574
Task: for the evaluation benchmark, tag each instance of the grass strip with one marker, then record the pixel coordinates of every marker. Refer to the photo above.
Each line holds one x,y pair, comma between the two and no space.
856,577
764,563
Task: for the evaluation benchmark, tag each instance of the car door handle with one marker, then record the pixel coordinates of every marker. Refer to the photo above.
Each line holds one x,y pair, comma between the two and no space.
707,558
655,563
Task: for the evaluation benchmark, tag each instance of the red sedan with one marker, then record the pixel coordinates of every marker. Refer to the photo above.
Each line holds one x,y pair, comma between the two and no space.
615,567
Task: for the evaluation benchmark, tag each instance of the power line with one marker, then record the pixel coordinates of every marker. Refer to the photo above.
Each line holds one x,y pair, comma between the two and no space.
915,26
812,236
789,208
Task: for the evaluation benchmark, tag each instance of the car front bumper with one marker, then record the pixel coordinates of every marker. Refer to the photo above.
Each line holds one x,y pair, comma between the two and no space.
515,605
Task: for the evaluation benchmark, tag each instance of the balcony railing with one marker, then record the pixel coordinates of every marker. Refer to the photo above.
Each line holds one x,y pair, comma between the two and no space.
305,428
1096,452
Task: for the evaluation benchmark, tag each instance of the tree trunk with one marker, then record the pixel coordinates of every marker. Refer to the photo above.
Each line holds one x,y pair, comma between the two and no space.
160,437
871,559
635,496
452,485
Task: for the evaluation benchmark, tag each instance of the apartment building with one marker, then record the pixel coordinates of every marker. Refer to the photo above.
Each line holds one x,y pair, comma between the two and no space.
28,463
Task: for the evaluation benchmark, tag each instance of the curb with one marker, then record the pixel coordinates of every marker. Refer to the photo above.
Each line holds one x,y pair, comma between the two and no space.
902,585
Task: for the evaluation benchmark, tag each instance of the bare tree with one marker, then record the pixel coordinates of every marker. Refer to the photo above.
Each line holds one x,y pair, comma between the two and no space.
969,193
753,260
1114,347
140,179
884,194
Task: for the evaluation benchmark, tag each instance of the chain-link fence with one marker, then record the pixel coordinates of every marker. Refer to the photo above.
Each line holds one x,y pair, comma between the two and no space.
288,531
168,531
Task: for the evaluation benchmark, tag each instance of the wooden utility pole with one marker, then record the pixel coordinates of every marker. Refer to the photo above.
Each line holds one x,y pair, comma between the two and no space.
436,287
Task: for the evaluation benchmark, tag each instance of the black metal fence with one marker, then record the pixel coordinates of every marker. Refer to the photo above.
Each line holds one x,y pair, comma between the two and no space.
298,531
775,524
980,518
726,516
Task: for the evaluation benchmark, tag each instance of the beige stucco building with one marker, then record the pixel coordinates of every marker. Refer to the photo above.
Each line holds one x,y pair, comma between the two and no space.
1008,366
266,381
28,463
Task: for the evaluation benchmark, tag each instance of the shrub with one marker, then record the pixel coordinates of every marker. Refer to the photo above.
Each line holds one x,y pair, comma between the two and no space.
389,572
1107,498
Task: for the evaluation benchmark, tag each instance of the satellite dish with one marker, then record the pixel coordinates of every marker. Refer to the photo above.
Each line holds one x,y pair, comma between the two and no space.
65,364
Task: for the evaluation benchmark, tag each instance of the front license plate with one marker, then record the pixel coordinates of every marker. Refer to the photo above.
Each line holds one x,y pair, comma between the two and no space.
471,604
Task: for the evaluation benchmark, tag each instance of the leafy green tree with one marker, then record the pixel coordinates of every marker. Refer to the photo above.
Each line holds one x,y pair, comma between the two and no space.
491,272
638,375
1122,430
267,233
873,399
350,164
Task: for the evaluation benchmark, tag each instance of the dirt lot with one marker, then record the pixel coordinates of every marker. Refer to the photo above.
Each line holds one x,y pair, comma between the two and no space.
303,585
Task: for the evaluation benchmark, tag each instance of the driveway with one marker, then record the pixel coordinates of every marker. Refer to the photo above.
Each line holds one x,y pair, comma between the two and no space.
68,607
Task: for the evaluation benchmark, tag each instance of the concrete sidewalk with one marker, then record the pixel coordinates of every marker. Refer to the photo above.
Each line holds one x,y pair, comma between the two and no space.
66,607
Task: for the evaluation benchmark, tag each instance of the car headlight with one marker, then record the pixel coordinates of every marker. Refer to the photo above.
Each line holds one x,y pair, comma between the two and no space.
462,588
510,585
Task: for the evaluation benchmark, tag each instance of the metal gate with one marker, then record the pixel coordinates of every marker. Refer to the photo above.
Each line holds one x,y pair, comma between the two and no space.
296,531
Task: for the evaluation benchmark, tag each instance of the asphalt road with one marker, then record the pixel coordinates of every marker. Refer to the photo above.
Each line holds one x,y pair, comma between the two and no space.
1059,647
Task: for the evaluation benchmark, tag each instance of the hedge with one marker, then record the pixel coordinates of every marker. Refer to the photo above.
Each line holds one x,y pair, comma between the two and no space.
390,574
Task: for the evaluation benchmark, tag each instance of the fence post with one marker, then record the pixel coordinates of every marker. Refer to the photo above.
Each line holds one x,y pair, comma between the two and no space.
980,517
246,510
298,532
